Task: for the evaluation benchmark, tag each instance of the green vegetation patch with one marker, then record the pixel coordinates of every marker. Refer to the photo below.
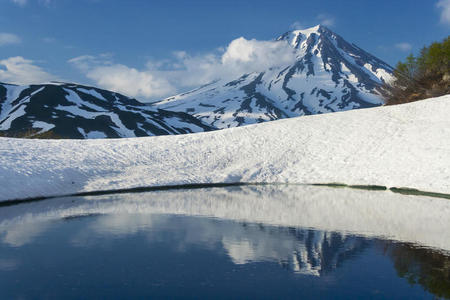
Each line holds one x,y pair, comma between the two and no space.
357,186
415,192
335,185
421,77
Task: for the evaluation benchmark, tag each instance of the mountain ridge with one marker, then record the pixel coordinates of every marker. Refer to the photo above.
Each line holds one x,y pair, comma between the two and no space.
328,74
79,111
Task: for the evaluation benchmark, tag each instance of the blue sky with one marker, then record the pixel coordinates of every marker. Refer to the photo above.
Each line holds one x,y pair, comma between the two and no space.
74,40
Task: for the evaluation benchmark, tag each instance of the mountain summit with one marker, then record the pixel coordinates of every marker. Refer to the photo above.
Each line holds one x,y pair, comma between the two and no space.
328,74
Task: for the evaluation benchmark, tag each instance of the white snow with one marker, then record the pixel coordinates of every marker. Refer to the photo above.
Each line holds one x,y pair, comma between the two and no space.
379,73
6,124
76,100
93,93
6,117
395,146
92,134
44,126
13,92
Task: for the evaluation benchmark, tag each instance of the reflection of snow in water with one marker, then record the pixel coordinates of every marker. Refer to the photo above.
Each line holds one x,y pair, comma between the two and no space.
304,251
265,227
301,250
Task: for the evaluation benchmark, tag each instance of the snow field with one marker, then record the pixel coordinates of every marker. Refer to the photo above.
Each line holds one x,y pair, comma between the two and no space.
394,146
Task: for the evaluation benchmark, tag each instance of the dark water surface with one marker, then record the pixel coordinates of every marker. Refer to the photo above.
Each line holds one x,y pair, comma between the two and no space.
213,244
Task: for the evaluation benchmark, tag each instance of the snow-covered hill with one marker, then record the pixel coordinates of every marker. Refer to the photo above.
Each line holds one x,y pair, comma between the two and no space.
396,146
76,111
327,74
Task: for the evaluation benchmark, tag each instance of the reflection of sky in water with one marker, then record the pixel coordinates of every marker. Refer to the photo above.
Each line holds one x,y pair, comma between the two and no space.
245,241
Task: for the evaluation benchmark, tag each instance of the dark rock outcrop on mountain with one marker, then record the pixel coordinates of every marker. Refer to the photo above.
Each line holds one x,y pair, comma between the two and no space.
76,111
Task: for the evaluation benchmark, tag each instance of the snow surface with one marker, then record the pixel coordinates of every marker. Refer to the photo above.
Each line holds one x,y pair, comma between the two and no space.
395,146
43,126
93,93
15,111
92,134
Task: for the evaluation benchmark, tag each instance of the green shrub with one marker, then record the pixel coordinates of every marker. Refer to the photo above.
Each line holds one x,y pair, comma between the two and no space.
424,76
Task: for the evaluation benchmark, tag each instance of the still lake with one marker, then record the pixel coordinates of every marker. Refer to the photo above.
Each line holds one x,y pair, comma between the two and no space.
236,242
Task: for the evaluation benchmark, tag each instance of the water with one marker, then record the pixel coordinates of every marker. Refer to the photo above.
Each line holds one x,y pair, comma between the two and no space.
241,242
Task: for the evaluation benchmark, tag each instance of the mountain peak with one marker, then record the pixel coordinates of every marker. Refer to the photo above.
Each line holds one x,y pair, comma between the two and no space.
326,74
297,36
307,31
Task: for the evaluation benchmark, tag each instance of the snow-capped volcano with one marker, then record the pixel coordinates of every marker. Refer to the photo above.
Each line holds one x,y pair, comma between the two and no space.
327,74
322,73
76,111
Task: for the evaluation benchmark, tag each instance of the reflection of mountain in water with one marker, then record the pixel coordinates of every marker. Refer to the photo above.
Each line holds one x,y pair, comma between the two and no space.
370,214
324,251
304,251
307,230
301,250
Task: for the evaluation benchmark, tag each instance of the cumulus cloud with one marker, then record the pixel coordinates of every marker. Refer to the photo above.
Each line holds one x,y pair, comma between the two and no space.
444,5
121,78
131,81
87,62
8,39
403,47
297,25
158,79
326,19
22,71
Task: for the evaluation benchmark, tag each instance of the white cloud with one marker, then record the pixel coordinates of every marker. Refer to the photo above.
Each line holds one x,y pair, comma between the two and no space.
326,20
403,47
22,71
158,79
8,39
87,62
445,13
20,2
297,25
130,81
24,2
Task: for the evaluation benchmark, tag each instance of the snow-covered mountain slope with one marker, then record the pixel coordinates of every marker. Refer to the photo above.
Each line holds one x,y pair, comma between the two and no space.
76,111
328,74
395,146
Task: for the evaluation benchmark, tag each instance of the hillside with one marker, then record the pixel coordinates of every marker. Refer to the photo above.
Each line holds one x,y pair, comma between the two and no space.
394,146
64,110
